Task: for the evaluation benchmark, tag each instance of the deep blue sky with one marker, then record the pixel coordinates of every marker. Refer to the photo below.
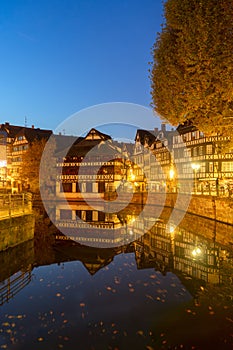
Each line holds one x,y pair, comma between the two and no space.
58,57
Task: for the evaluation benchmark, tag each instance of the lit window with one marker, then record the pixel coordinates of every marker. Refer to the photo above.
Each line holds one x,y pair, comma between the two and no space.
209,149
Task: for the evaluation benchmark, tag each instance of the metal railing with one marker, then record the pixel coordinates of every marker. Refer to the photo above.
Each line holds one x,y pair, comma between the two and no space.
15,205
14,285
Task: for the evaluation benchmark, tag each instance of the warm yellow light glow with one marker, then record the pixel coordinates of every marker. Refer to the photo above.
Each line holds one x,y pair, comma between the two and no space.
132,177
196,251
171,173
171,229
195,166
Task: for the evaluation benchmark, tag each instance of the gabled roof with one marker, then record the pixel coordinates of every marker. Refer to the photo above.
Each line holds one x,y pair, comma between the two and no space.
186,127
146,135
82,146
32,134
96,134
11,130
64,142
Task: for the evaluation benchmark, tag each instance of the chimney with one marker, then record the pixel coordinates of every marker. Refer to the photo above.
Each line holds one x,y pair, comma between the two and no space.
7,123
156,130
163,127
33,126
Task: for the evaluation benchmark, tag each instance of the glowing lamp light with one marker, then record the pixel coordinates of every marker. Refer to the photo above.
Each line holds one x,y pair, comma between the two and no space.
196,252
171,173
132,176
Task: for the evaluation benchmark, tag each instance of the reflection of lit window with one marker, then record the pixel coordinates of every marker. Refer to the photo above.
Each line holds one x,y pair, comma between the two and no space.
227,166
201,150
95,215
209,149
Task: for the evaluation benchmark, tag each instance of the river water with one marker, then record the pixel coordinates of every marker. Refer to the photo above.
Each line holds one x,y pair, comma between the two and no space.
169,288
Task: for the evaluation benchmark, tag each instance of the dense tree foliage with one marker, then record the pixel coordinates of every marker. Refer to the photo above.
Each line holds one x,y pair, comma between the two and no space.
31,159
192,69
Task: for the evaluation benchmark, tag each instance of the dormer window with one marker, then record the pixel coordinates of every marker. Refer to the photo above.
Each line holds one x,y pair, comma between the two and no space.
20,138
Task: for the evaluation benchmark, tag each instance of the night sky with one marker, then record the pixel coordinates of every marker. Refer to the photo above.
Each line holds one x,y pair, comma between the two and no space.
59,57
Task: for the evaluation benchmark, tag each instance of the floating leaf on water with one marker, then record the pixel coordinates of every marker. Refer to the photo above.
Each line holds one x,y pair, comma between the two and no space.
153,276
82,304
108,288
40,339
149,297
131,290
148,347
58,295
140,332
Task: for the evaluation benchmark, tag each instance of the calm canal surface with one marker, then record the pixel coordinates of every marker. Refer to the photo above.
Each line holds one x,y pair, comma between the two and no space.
155,292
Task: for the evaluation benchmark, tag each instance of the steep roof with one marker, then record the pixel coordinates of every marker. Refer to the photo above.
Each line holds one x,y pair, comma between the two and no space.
186,127
64,142
83,145
32,134
149,135
96,134
11,130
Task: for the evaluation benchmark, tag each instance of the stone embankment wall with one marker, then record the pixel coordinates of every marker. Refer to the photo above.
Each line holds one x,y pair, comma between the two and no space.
216,208
209,216
16,230
211,207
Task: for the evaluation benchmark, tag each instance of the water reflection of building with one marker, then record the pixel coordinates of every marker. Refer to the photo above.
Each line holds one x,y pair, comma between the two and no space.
169,248
95,227
16,266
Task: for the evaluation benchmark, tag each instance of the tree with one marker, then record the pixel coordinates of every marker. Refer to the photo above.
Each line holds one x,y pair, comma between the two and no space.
192,68
31,159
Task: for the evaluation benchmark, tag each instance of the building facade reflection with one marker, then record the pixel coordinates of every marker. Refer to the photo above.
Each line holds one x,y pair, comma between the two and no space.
197,259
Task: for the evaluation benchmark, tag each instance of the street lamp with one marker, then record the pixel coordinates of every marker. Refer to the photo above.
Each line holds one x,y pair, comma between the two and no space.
195,167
